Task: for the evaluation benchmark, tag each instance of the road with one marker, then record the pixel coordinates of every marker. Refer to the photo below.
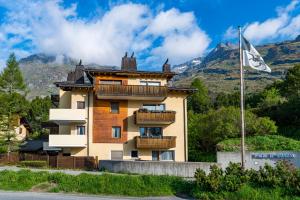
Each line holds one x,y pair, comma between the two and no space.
6,195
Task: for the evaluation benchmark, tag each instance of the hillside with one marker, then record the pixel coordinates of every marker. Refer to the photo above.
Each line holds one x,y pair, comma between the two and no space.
220,68
41,71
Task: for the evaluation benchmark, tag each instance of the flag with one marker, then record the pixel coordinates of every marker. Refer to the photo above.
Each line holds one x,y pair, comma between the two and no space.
252,58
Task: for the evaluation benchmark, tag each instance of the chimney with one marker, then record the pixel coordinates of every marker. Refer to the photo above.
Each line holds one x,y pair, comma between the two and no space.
128,63
166,67
79,73
77,76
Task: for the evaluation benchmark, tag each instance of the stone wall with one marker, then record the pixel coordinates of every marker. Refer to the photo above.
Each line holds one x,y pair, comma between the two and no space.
182,169
254,160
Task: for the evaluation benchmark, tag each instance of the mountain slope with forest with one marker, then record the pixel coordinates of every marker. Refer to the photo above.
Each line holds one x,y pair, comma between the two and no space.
219,68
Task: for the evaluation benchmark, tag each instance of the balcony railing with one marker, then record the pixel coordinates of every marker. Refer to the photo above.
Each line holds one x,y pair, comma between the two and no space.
165,142
63,116
154,117
67,140
135,92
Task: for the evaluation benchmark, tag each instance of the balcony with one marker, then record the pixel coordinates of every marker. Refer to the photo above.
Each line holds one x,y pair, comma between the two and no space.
65,116
132,92
165,142
154,117
67,140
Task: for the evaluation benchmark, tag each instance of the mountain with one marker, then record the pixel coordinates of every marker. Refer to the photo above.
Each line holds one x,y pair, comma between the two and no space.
41,71
183,67
220,67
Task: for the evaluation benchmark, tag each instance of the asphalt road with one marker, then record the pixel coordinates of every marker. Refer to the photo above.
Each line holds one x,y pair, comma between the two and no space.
5,195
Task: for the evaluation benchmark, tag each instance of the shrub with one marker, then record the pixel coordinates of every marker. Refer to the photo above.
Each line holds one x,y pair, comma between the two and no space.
34,163
261,143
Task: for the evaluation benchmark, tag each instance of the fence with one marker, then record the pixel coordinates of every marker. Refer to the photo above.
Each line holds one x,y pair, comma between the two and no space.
183,169
67,162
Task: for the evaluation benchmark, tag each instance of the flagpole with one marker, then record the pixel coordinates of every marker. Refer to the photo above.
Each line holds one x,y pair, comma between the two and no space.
242,101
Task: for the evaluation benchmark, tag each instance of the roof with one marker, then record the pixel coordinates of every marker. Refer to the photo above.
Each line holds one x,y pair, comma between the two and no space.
182,89
32,145
93,71
71,84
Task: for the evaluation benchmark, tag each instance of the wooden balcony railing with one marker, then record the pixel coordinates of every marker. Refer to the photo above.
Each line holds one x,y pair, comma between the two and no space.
154,117
134,91
165,142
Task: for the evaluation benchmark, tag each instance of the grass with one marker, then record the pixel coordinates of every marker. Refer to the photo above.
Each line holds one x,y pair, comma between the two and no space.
108,184
126,185
261,143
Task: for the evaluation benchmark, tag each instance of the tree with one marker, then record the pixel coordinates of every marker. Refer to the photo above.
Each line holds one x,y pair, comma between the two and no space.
8,136
39,112
11,79
199,102
206,130
291,85
225,100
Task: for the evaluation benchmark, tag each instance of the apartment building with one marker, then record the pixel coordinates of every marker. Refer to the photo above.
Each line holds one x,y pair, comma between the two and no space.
122,114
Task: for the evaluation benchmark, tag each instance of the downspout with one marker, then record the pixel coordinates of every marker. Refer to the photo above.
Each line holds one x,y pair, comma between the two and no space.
88,125
185,130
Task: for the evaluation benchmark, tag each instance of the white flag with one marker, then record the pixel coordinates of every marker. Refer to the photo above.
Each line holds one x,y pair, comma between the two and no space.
252,58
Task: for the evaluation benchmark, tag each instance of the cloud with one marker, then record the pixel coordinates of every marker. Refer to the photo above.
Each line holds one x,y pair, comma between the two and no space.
285,25
55,29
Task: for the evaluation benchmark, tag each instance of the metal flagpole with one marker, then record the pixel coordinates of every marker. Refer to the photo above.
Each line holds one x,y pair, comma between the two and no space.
242,101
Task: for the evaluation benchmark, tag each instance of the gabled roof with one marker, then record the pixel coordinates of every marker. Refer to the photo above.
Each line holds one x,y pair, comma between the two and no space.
158,74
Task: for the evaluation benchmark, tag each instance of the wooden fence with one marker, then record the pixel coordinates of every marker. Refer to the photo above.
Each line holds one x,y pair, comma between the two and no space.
65,162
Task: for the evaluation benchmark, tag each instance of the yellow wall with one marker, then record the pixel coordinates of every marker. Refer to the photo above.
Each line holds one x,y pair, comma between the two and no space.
174,102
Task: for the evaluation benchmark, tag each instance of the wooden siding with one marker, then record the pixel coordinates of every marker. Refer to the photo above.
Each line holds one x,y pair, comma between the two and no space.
165,142
131,90
104,120
146,117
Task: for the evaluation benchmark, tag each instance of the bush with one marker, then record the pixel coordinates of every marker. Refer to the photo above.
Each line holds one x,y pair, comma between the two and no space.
34,163
282,176
261,143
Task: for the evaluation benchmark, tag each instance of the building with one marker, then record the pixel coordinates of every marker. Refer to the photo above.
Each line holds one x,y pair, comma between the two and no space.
121,114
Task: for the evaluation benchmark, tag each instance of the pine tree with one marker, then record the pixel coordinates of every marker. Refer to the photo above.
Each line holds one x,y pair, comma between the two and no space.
11,79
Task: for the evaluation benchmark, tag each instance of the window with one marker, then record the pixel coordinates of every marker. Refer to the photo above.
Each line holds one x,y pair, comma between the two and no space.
154,107
80,105
80,130
116,132
163,155
114,107
167,155
150,83
150,131
116,155
134,154
155,155
111,82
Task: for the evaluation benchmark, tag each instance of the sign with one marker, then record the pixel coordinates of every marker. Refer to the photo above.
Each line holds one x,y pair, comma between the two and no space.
273,155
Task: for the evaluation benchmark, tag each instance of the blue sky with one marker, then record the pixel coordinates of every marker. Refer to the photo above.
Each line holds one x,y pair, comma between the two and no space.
100,31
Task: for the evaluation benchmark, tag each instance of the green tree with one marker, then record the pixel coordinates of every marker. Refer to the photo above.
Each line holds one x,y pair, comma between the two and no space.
206,130
8,136
291,85
11,79
38,113
225,100
200,101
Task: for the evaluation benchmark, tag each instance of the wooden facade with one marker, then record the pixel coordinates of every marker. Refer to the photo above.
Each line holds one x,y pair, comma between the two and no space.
104,120
147,117
165,142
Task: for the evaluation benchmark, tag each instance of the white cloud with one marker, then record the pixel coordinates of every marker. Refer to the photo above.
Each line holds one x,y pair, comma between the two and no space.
283,26
51,28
